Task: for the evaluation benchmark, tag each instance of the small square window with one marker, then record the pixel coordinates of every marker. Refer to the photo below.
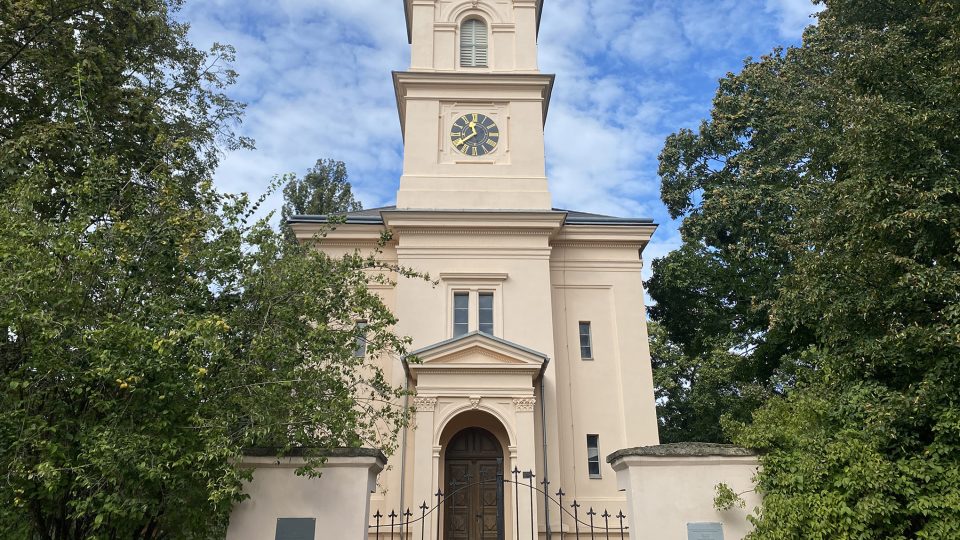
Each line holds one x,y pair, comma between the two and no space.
586,343
461,314
593,455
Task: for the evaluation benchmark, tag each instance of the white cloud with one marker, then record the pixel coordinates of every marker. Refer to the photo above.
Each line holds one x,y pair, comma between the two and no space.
316,77
793,15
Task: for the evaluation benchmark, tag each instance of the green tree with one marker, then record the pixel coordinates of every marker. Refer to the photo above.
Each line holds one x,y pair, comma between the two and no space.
151,329
694,392
822,215
323,190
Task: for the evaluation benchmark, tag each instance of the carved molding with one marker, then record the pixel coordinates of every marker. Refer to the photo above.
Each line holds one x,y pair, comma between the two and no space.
479,231
425,404
596,244
475,402
524,404
477,351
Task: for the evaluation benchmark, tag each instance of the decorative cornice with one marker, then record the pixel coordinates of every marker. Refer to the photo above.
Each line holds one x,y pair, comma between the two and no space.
589,244
358,244
474,276
477,231
444,369
524,404
425,404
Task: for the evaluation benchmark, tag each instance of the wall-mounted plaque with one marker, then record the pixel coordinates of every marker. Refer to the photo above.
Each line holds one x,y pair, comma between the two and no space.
704,531
296,528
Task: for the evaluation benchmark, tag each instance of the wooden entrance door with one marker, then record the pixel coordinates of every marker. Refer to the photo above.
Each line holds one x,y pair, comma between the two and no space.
473,458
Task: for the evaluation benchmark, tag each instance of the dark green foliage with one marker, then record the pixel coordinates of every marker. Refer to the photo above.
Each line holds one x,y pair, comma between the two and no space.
150,330
323,191
693,392
822,251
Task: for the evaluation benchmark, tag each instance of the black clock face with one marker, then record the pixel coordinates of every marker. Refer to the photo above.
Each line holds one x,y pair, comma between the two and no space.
475,134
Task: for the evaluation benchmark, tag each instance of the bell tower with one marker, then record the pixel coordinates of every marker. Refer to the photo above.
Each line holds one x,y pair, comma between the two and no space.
473,106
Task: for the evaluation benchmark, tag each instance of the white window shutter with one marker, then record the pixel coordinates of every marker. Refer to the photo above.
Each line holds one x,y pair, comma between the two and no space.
473,43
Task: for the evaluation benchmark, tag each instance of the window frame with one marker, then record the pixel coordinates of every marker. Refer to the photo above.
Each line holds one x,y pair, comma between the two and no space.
589,336
473,19
596,459
455,309
492,311
473,283
360,343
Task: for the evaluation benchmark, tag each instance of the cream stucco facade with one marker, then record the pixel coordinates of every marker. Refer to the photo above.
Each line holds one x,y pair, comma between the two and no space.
484,227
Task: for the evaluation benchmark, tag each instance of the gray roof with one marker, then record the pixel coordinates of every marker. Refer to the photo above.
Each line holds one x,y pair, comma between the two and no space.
574,217
506,342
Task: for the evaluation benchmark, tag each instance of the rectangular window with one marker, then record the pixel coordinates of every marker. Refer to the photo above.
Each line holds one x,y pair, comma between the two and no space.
461,313
360,348
593,455
296,529
486,312
586,345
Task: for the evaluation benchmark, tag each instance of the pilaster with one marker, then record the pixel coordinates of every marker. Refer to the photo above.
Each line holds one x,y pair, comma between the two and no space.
426,463
526,461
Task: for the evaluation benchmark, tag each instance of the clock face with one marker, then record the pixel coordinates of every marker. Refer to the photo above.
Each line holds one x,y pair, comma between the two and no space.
474,134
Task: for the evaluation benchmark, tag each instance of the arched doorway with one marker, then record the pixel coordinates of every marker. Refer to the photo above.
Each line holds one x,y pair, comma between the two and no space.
474,504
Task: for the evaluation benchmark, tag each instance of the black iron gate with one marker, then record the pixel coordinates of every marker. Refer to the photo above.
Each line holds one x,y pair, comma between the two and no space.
406,524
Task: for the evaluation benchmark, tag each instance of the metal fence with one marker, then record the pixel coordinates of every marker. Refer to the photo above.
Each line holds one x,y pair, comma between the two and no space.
589,524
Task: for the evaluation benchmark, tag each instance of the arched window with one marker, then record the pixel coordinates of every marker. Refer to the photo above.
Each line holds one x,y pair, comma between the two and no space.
473,43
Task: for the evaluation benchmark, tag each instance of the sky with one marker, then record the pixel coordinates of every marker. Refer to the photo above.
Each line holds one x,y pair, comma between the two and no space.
316,78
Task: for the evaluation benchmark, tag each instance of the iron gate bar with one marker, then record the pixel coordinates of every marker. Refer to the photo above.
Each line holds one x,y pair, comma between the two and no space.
439,502
591,513
441,499
566,511
533,533
501,514
516,499
423,512
576,520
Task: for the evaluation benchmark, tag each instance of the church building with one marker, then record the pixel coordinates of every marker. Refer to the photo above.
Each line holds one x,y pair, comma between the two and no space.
533,360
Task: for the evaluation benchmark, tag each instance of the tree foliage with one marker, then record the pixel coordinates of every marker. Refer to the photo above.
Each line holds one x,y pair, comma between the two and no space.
151,329
821,206
323,190
692,392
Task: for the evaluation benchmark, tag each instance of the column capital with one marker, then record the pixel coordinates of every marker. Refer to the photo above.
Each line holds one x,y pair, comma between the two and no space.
525,404
425,404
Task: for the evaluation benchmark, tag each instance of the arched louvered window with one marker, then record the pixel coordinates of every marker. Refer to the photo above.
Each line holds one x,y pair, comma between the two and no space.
473,43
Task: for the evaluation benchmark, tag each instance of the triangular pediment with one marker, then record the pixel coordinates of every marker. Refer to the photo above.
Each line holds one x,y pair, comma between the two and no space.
476,351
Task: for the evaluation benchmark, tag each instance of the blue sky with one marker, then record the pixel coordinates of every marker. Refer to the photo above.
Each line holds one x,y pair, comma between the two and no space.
315,75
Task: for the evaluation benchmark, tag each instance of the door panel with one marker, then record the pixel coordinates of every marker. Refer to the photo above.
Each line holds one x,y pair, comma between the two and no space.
473,458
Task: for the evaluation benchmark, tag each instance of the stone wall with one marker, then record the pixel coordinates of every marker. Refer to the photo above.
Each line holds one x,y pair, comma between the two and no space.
671,488
335,505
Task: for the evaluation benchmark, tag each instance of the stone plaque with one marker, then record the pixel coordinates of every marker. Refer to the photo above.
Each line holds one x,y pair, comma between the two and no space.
296,528
704,531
